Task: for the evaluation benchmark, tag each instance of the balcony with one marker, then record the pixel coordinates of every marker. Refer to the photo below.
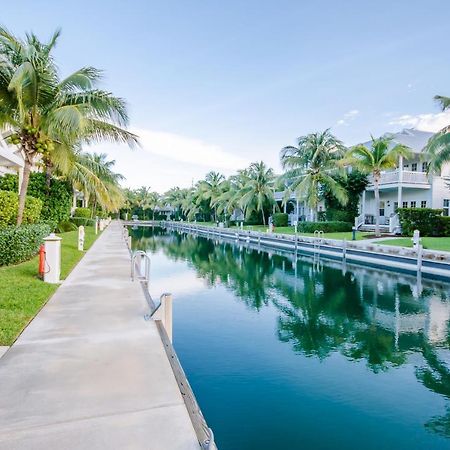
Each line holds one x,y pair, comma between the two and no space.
408,178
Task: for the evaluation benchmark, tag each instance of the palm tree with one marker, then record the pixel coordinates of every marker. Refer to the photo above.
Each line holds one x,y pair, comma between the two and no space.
258,189
310,167
92,173
438,147
382,155
230,199
48,118
210,189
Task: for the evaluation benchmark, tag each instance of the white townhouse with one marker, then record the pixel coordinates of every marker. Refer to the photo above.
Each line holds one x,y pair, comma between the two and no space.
10,159
407,186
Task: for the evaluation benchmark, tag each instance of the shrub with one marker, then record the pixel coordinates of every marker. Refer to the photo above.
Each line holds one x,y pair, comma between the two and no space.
82,212
56,198
428,221
65,226
280,220
9,205
326,227
19,244
82,221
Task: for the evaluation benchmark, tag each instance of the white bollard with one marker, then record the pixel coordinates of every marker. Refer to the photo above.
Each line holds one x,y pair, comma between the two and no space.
96,227
52,245
81,238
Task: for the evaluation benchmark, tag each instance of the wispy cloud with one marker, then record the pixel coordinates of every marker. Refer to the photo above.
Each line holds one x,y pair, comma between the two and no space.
348,117
189,150
168,159
425,122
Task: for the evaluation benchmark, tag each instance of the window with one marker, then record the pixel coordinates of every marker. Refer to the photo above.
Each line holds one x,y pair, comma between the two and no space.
446,207
423,204
381,208
395,206
424,166
405,204
405,166
414,167
413,204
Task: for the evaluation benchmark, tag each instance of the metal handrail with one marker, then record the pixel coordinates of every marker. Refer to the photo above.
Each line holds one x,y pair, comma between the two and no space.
141,277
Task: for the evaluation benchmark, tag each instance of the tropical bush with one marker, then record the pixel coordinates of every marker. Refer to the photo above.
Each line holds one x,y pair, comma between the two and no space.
77,221
280,219
65,226
21,243
9,205
82,212
326,227
428,221
56,197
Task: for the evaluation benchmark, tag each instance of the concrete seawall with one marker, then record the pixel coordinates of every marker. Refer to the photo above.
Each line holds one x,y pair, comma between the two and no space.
431,263
90,372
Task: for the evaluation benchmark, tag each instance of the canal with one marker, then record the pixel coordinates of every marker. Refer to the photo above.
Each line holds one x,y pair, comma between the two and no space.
285,352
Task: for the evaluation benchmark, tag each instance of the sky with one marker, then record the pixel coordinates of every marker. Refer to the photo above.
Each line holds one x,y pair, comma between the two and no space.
215,85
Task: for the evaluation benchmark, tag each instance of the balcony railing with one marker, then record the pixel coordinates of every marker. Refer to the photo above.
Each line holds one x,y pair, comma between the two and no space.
407,176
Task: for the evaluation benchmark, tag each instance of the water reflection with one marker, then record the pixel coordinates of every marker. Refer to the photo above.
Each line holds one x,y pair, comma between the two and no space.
381,318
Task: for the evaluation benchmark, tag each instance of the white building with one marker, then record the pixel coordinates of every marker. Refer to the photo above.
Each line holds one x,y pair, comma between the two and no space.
10,161
407,186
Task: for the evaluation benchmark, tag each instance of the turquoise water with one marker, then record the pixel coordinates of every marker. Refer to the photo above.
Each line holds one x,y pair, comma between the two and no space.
305,354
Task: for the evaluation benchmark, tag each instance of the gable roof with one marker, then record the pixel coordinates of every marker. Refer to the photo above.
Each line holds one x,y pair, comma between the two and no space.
416,140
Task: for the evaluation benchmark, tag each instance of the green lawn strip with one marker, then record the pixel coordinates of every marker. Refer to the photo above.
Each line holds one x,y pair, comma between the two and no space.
290,230
22,293
429,243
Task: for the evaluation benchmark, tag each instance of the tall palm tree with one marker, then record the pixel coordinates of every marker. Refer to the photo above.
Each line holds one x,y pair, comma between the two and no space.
210,189
310,167
258,190
93,174
230,199
48,117
383,154
438,147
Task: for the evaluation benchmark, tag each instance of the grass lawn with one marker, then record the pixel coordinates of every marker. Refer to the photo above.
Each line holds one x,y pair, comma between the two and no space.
290,230
430,243
23,294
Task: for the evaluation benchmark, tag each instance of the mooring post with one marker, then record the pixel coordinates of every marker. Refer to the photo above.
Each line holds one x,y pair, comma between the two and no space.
419,257
164,313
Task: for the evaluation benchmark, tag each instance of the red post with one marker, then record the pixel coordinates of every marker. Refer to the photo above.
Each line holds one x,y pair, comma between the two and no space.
41,260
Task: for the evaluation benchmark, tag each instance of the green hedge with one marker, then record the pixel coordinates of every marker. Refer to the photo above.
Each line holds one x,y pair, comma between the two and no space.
280,219
83,212
326,227
19,244
65,226
9,205
56,198
82,221
430,222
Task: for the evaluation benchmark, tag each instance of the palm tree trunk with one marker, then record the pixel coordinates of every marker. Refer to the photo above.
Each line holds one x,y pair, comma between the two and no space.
263,218
377,205
23,190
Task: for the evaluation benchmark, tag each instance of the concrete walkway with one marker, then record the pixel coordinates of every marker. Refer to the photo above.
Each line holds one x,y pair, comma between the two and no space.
89,372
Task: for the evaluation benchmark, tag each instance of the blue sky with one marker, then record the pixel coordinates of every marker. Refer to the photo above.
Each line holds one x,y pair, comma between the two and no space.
216,85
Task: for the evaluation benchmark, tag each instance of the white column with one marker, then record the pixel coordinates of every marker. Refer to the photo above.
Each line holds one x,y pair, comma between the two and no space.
363,206
400,180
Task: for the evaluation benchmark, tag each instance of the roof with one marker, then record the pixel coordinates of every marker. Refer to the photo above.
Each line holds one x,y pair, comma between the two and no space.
416,140
8,158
